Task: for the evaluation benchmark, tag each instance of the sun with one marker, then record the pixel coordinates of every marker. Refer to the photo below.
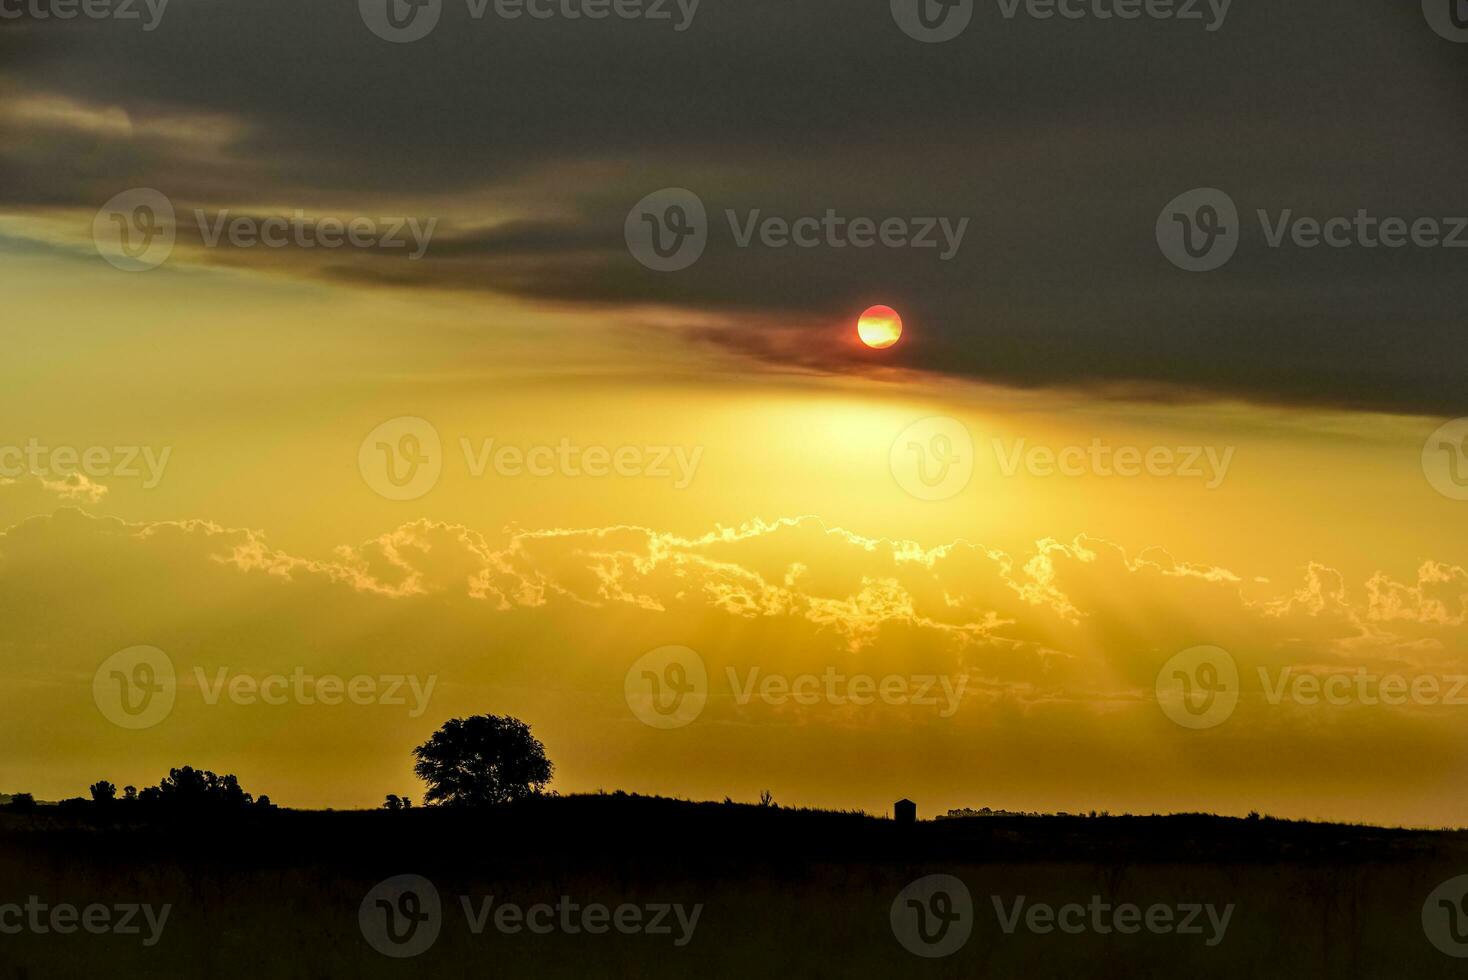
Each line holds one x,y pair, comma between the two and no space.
879,327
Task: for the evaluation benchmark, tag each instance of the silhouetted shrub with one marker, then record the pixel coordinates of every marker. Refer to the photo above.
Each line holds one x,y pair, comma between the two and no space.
199,789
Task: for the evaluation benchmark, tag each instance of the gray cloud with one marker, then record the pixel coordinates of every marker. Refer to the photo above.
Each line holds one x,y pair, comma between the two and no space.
1059,141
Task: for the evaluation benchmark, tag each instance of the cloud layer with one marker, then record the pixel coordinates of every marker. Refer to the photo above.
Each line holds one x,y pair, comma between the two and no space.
1061,141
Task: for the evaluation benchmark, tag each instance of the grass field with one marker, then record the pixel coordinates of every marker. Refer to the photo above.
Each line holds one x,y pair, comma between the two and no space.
743,890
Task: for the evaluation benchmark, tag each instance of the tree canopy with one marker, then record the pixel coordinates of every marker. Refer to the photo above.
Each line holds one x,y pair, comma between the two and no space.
482,760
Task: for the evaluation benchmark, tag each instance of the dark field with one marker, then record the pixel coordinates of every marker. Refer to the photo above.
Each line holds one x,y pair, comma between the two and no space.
782,892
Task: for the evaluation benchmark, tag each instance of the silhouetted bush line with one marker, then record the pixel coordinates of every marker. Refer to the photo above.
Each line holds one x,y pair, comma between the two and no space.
489,771
184,789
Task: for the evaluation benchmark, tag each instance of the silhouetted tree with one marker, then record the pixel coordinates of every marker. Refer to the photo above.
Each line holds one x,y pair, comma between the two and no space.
396,802
23,802
482,760
103,792
129,794
190,788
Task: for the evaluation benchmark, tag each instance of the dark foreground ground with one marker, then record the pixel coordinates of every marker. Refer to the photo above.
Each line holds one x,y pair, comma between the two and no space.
610,885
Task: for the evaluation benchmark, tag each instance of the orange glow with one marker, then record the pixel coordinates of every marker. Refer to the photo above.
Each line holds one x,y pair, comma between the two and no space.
879,327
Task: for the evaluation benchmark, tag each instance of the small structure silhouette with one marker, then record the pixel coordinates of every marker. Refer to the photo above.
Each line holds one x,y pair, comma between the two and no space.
904,811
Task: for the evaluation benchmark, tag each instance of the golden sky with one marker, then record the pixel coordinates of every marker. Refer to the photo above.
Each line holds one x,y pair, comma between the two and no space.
1050,602
1097,532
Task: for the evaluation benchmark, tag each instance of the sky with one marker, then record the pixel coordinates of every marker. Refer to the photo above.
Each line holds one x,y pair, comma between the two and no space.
529,472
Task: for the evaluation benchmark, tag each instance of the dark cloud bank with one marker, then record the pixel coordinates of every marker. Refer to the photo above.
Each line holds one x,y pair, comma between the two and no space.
1060,141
